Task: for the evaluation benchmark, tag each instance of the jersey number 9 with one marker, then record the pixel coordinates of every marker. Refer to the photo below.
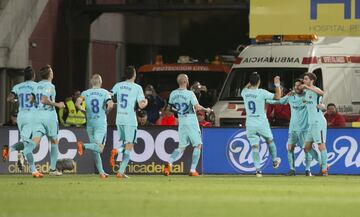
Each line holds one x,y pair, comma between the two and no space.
252,107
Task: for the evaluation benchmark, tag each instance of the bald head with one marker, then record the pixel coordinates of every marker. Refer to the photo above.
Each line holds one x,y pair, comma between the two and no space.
96,80
182,80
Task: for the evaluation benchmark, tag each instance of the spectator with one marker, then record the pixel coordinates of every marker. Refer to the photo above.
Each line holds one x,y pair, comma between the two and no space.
167,118
200,92
202,121
13,119
70,115
334,118
278,115
155,103
142,118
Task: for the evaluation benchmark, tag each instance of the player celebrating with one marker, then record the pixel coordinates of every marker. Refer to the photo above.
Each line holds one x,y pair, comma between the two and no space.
317,122
257,123
46,120
23,93
298,125
184,101
127,94
98,102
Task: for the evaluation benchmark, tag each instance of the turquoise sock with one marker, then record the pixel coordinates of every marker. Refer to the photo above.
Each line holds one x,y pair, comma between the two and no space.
98,162
324,159
92,147
273,152
256,157
314,154
17,146
291,159
28,149
125,161
308,159
195,158
54,152
174,155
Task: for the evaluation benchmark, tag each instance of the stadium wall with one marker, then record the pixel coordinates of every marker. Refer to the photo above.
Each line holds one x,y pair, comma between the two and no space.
225,151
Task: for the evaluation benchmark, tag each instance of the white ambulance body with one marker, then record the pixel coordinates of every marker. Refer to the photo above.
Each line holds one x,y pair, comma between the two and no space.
335,61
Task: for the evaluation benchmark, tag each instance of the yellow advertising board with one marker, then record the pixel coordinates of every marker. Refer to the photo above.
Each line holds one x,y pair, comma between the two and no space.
322,17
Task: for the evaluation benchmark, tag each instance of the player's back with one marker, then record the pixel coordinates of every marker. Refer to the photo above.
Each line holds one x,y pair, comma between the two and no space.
254,102
24,91
184,101
46,88
95,100
127,96
312,100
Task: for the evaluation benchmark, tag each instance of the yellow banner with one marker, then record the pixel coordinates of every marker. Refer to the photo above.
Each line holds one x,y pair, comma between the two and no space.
322,17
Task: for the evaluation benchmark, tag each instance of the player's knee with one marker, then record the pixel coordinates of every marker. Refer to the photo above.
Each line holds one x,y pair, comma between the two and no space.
180,150
255,147
198,146
291,148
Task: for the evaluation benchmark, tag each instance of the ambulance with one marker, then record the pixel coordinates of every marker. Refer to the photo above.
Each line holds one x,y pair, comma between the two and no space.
162,76
334,60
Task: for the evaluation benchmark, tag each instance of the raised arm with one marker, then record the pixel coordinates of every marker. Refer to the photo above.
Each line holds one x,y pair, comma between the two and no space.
278,91
45,100
318,91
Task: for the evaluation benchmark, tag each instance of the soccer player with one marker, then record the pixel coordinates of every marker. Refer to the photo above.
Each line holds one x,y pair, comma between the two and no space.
98,102
257,123
46,121
298,125
22,93
127,94
185,104
317,122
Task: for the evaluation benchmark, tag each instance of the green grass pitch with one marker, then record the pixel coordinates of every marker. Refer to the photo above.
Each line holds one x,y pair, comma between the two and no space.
143,196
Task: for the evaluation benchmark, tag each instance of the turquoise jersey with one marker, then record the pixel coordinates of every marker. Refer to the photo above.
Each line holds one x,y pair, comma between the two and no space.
96,99
46,88
127,95
23,92
184,101
254,102
311,100
299,114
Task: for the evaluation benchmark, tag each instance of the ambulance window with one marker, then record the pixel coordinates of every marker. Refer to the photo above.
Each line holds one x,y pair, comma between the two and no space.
319,80
239,77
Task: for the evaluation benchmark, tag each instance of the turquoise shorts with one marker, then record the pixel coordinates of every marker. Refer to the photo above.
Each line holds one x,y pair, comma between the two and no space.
46,125
189,134
127,134
254,132
297,138
25,124
97,134
317,133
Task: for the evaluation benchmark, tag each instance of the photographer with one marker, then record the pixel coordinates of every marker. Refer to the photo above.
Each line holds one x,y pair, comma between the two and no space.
155,104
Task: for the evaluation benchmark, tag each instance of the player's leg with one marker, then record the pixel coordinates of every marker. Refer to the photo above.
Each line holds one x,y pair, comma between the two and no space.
254,140
291,160
130,139
115,152
92,146
100,141
175,155
52,133
309,151
320,139
265,132
195,139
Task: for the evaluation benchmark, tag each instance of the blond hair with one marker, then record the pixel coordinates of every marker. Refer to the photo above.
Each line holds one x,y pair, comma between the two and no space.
182,78
96,80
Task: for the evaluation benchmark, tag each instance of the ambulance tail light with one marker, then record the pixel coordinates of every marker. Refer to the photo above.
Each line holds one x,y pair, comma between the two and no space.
238,60
309,60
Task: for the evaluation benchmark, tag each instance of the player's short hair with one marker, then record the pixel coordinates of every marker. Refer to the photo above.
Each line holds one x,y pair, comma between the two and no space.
299,80
254,78
44,72
29,73
95,80
311,75
129,72
182,78
331,104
